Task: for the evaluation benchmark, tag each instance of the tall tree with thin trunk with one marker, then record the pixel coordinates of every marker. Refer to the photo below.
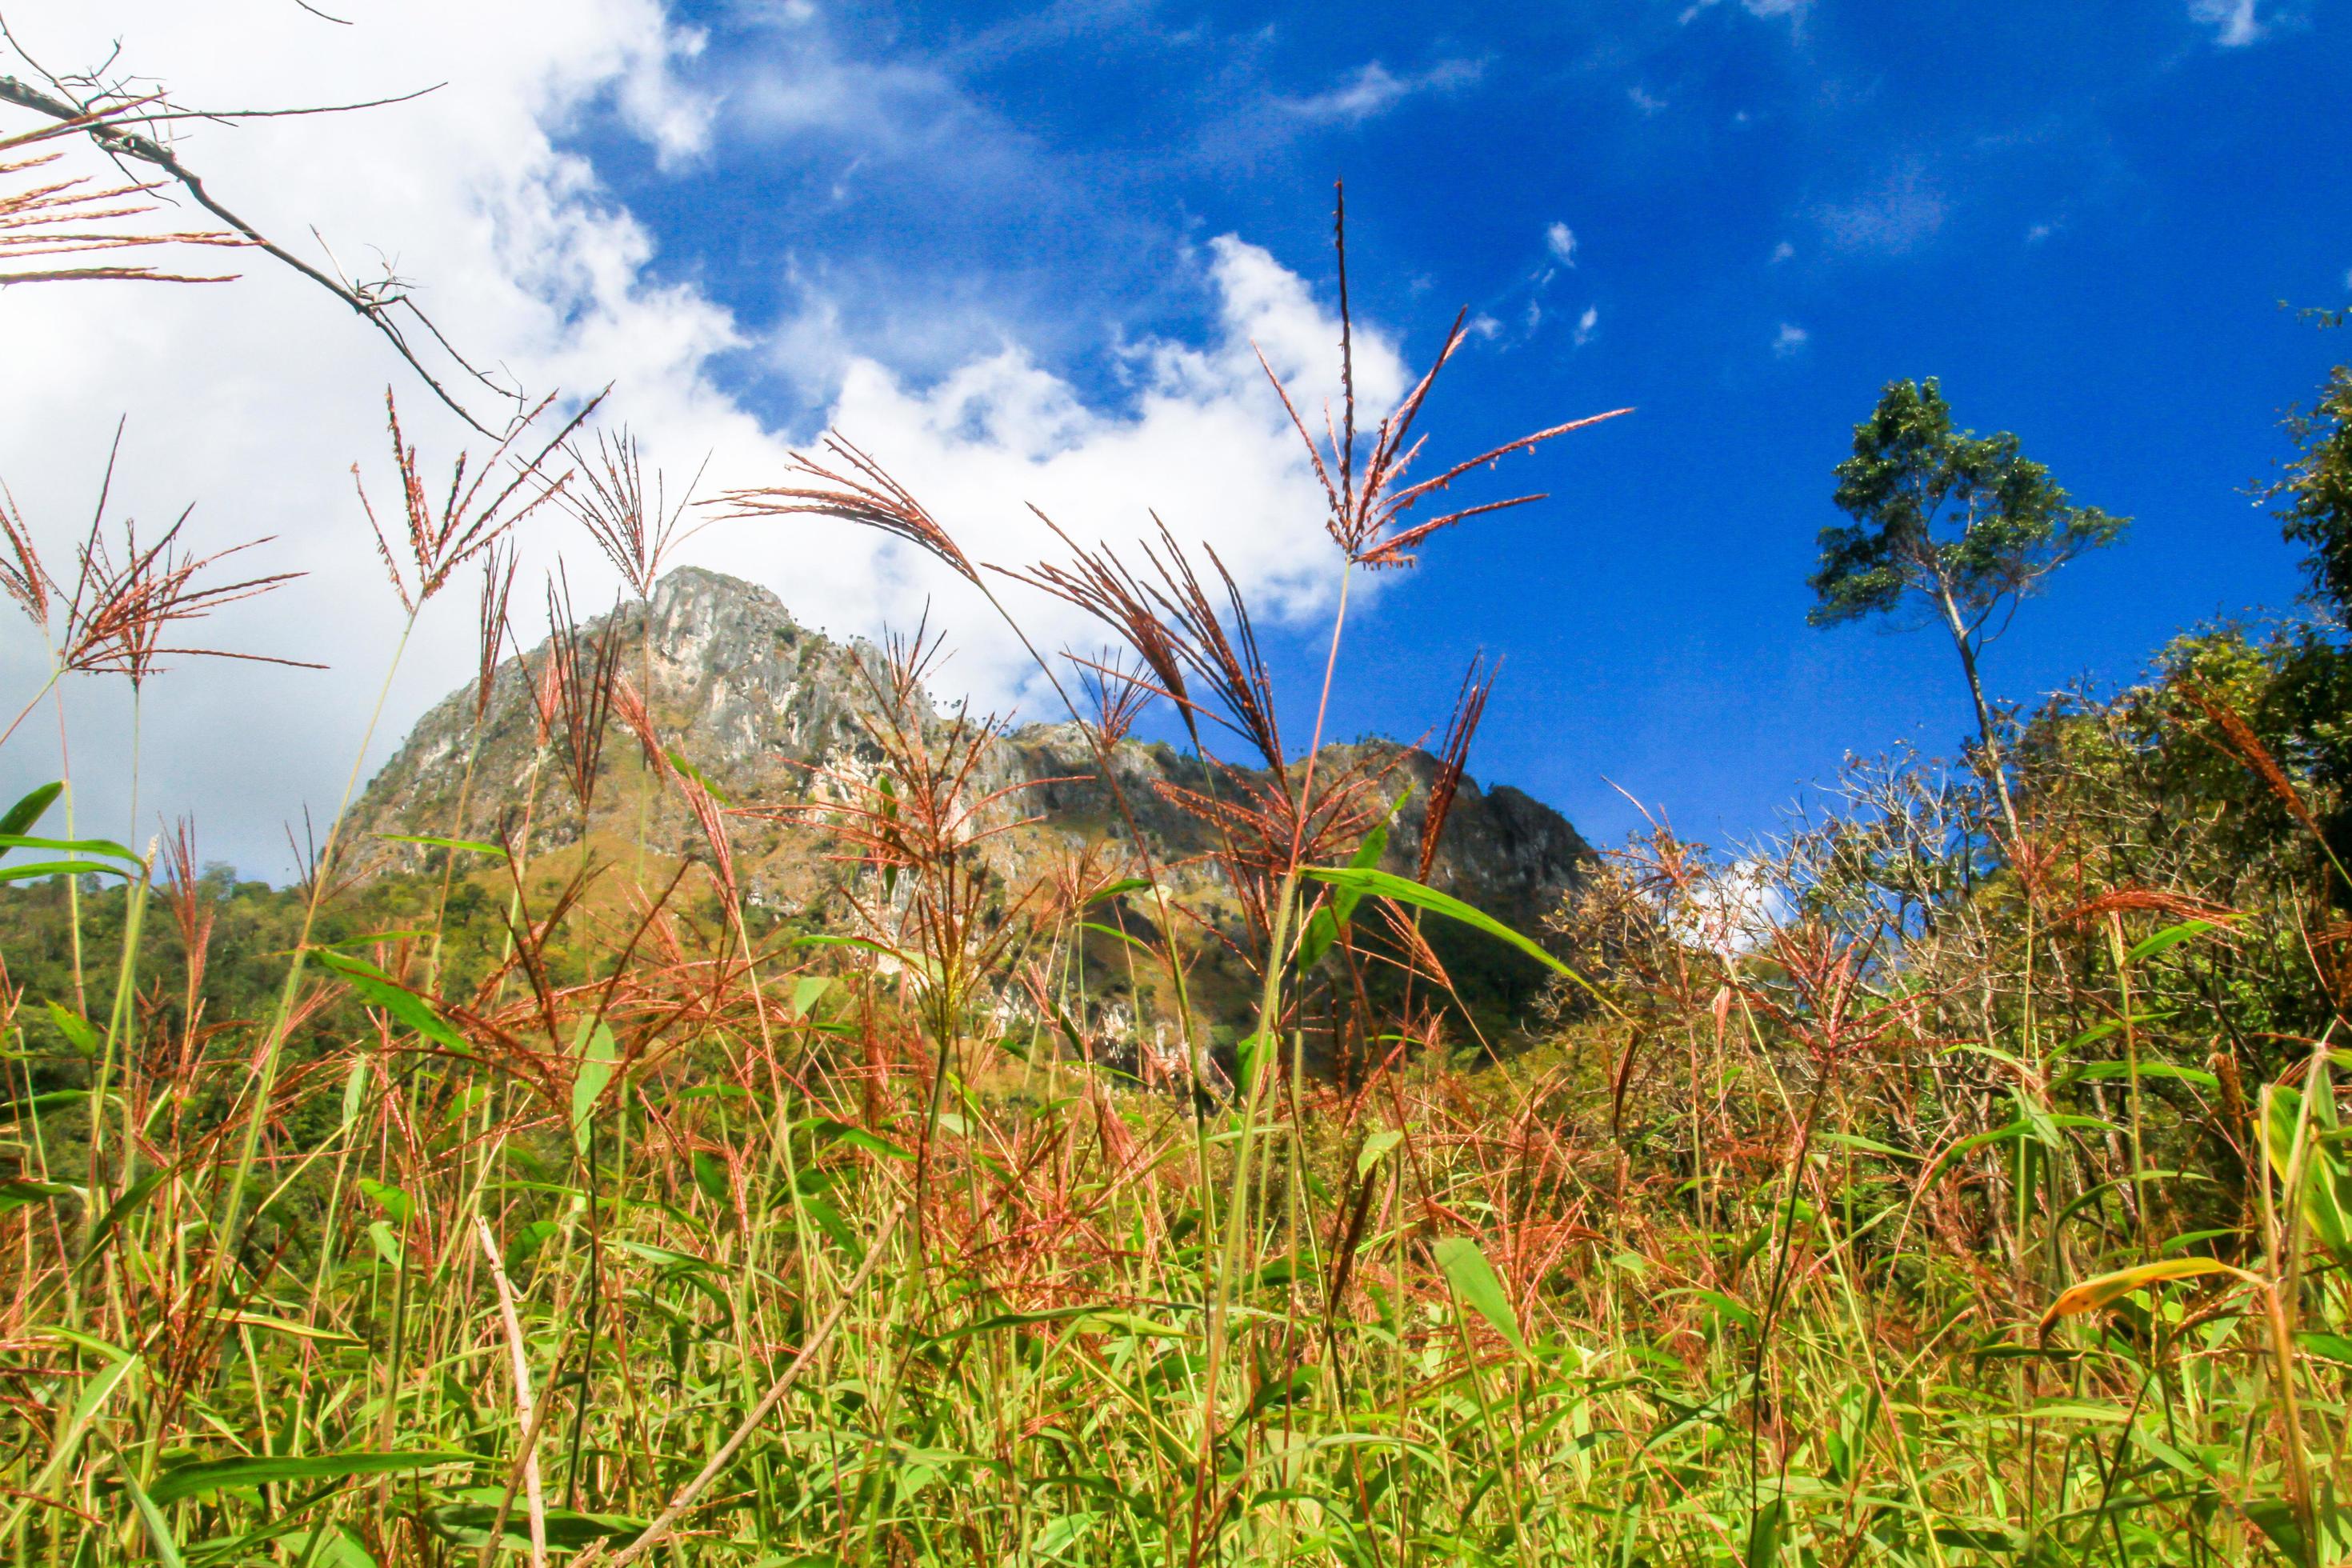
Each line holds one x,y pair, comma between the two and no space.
1955,527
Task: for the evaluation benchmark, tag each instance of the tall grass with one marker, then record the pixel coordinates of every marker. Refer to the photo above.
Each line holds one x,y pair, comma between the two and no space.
1933,1186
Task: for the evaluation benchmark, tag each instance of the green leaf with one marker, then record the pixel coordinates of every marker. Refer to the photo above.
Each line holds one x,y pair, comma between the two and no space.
1074,1315
20,817
1367,881
807,991
856,1137
2101,1030
678,759
76,1028
1322,933
2169,937
710,1175
16,1111
377,988
1100,930
1475,1284
828,1220
20,1192
1325,926
158,1529
330,1546
120,1366
1866,1145
470,845
355,1092
2324,1196
597,1051
70,845
397,1205
663,1257
121,1209
1367,857
1764,1537
2276,1518
198,1477
2019,1129
1376,1145
468,1525
61,869
2090,1071
1246,1052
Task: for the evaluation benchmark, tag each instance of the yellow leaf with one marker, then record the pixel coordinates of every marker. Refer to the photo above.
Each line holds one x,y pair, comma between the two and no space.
2093,1294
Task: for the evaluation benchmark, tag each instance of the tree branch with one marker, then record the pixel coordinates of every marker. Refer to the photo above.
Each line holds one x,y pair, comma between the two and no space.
111,138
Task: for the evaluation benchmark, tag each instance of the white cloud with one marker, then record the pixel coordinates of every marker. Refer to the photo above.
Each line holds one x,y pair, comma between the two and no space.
1560,240
1374,89
1734,910
1586,324
1642,100
1790,340
252,398
1782,251
2234,22
1794,9
1903,212
2040,232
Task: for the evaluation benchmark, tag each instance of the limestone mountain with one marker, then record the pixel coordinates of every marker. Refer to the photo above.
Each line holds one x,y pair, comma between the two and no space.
769,712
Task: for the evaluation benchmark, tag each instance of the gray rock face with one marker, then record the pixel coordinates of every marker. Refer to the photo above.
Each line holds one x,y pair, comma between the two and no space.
769,712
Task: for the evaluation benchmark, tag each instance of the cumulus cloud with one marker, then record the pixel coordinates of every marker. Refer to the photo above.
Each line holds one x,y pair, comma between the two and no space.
252,399
1560,240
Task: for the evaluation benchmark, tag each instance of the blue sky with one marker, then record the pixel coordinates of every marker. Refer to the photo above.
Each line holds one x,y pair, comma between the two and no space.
1020,254
2082,218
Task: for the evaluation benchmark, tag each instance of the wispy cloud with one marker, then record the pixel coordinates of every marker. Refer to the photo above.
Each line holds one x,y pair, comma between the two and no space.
1374,89
1781,252
1794,9
1560,240
1644,100
1790,340
1902,214
1586,324
2234,22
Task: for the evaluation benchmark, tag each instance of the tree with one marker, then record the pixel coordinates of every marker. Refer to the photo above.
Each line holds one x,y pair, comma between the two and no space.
1959,526
2316,495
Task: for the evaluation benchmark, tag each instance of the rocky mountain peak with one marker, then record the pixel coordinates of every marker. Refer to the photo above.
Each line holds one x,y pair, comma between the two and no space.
761,706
